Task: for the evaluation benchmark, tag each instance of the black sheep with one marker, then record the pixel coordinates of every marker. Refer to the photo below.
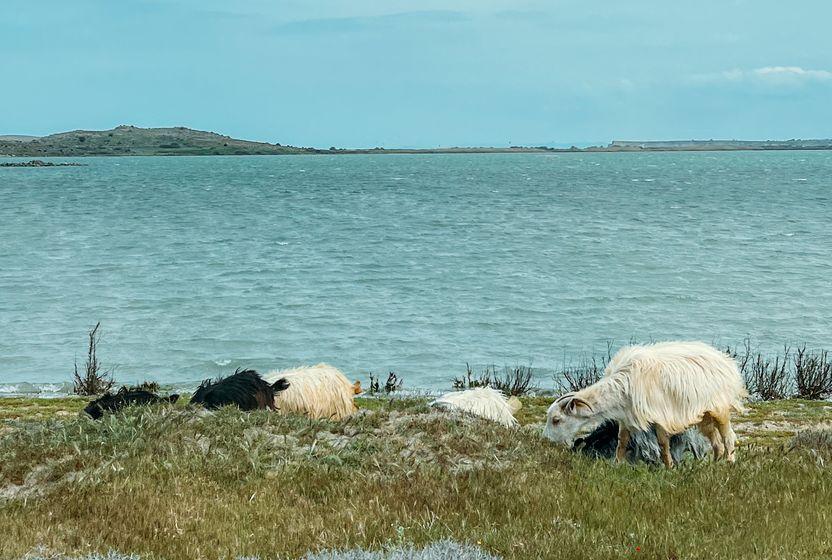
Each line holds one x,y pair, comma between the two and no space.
644,446
124,397
244,388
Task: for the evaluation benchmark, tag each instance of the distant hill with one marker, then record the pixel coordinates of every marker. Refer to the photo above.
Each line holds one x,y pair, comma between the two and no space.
180,141
134,141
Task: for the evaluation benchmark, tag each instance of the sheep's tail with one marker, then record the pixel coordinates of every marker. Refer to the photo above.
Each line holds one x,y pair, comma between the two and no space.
280,385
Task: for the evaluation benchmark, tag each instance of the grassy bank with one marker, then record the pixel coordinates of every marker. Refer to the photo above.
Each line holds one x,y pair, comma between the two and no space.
169,483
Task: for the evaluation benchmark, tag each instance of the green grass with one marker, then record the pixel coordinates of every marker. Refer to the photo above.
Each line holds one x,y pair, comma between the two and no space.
169,483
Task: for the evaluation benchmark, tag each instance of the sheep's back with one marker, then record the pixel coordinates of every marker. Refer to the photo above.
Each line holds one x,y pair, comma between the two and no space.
482,401
319,391
674,383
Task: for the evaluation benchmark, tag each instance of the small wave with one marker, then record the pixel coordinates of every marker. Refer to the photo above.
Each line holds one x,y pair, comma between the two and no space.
222,362
40,389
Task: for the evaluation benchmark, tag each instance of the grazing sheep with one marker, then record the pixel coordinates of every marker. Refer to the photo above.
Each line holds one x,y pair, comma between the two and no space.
320,391
484,402
669,386
643,446
244,388
124,397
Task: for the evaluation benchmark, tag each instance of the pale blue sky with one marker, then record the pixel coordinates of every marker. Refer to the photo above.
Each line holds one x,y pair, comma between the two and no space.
402,73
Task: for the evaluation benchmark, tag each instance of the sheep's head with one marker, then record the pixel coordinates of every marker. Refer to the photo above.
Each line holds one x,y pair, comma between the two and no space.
566,418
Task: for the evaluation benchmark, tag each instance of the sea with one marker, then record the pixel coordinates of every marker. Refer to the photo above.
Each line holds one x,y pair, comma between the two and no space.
415,264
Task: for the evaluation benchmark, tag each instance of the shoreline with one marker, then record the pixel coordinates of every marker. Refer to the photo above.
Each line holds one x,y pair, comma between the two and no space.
430,151
128,140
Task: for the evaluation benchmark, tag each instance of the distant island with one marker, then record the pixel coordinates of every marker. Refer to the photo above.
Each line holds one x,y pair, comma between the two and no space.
179,141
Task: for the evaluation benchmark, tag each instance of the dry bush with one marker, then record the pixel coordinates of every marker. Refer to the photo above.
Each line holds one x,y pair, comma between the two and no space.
514,381
769,380
471,380
94,380
375,386
812,374
817,440
394,383
589,371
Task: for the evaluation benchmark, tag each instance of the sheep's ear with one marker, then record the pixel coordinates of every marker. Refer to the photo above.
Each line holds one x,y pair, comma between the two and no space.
576,406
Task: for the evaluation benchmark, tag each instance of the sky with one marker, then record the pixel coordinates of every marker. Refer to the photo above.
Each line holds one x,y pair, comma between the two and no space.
398,73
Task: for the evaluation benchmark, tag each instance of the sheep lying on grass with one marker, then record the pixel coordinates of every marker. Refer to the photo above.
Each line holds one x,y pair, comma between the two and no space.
643,446
244,388
669,386
320,391
126,396
485,402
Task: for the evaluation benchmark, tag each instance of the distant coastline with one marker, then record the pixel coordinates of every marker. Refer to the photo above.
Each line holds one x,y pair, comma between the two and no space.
179,141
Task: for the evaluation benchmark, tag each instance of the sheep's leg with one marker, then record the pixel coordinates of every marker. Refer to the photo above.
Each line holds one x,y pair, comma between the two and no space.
709,430
664,444
728,436
623,441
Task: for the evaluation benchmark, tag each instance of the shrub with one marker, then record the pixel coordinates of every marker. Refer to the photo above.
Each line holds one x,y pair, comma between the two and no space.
818,440
573,379
769,380
94,380
472,381
515,381
374,385
766,379
149,386
394,383
812,374
589,371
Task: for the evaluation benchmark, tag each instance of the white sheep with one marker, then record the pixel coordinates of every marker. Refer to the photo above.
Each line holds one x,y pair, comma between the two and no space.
669,386
320,391
484,402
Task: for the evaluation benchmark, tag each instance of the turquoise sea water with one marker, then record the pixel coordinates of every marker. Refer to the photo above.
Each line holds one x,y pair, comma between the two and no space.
417,264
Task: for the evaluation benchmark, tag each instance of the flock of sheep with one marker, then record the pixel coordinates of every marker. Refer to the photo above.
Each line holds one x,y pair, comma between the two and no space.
649,397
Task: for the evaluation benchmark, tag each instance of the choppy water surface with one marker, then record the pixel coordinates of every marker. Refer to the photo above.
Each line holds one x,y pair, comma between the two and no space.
409,263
